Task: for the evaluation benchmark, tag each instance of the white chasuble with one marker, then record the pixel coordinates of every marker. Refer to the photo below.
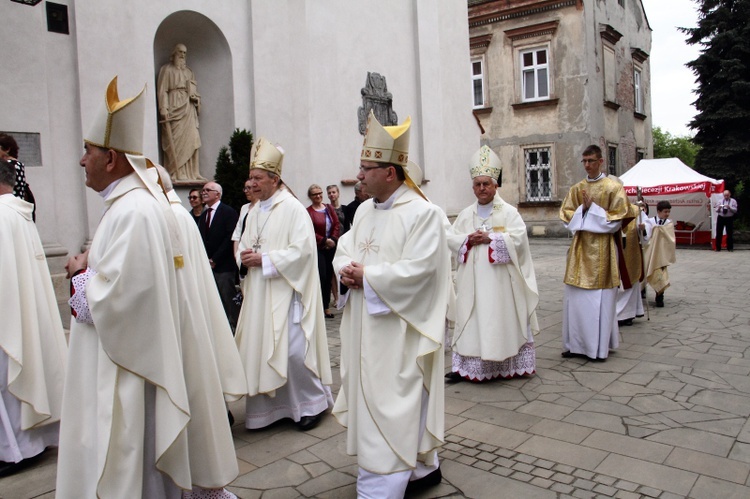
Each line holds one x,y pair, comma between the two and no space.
496,303
31,338
285,234
388,360
134,340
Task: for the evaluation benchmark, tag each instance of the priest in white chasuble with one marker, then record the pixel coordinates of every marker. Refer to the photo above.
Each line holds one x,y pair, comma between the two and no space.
592,211
32,342
143,413
281,332
396,263
496,290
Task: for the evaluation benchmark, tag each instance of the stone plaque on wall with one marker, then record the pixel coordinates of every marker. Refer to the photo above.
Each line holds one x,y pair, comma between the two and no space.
29,147
375,96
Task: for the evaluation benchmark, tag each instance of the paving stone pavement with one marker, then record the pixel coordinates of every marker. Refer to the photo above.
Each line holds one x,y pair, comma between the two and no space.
665,416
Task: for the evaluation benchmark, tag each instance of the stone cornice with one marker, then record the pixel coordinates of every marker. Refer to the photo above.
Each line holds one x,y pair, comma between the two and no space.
480,42
540,29
610,34
501,10
638,54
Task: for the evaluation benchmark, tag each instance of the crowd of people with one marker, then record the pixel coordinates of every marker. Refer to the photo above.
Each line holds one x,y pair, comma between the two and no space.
176,312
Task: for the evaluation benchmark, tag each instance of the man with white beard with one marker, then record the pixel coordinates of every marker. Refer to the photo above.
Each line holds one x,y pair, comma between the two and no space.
179,107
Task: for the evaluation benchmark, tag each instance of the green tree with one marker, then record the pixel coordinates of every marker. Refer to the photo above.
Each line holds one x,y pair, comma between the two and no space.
667,145
722,73
232,168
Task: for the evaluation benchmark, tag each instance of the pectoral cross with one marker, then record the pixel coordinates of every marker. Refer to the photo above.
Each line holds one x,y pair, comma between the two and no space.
484,226
257,241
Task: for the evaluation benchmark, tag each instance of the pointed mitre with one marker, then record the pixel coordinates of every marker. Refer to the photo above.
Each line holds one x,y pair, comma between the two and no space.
266,156
386,144
485,163
414,177
118,123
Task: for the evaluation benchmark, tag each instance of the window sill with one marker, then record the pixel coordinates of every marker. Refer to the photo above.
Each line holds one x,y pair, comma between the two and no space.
482,110
611,105
534,104
540,204
639,116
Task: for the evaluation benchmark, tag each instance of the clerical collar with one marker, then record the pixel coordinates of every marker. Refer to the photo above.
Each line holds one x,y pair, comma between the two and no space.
265,205
485,210
601,175
388,203
108,190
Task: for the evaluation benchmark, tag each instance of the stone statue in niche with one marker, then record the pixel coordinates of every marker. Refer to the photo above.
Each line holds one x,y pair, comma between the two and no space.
179,108
376,96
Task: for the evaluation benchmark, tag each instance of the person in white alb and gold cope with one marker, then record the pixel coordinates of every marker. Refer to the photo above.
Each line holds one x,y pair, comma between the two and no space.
496,290
281,331
143,413
396,264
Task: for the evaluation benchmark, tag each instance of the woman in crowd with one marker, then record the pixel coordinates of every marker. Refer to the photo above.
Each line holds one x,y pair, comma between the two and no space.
327,231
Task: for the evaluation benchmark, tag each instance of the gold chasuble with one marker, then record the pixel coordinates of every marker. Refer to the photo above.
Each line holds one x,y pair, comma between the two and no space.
633,254
592,258
659,254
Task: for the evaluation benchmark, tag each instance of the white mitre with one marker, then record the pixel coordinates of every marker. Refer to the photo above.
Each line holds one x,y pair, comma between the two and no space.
118,124
389,144
266,156
485,163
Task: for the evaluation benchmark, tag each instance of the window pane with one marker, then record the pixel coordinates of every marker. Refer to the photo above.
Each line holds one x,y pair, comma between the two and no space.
476,68
528,59
541,57
528,85
543,90
478,101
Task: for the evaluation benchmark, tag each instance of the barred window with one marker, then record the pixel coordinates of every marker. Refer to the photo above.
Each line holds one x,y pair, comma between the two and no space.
612,160
538,174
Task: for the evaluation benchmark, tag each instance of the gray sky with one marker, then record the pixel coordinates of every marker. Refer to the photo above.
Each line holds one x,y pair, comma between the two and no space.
672,83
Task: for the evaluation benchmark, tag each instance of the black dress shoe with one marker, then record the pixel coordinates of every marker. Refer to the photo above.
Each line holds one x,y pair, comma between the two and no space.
306,423
328,316
660,300
453,377
626,322
568,355
425,482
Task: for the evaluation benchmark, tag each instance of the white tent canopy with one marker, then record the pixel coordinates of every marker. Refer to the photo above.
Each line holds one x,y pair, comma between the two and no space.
689,192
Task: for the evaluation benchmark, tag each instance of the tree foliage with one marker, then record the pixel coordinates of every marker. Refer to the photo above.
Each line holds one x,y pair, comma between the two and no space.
667,145
722,73
232,167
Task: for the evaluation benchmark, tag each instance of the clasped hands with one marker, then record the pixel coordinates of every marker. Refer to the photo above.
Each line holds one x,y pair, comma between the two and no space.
479,237
352,276
76,263
587,200
251,258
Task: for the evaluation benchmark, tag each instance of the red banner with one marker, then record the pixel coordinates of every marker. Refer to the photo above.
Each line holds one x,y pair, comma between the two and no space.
665,190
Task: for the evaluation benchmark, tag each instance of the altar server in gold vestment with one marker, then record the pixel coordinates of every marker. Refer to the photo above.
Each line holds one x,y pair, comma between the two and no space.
396,264
32,341
496,291
143,412
592,211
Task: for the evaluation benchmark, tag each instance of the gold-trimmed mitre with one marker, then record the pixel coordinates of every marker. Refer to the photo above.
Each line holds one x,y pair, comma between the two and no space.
266,156
386,144
118,124
485,163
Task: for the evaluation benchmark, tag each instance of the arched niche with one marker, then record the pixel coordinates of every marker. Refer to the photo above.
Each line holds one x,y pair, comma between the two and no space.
210,58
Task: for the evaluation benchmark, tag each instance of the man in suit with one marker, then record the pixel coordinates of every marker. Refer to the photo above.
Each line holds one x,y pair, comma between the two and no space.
216,226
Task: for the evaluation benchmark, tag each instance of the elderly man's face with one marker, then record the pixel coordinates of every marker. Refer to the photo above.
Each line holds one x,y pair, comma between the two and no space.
94,163
210,193
484,189
727,195
262,184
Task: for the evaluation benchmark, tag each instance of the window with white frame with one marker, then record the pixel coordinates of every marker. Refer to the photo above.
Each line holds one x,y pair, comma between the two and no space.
535,74
538,173
477,81
638,90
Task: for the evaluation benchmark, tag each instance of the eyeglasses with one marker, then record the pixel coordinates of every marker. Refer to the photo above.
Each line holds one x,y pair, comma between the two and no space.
313,194
365,169
245,189
209,190
592,161
192,197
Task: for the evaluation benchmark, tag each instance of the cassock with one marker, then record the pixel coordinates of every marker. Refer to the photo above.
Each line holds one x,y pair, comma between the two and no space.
629,301
281,332
392,357
591,272
496,293
140,390
32,342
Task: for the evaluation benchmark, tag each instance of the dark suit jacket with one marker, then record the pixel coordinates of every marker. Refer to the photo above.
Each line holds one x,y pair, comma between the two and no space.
218,238
349,211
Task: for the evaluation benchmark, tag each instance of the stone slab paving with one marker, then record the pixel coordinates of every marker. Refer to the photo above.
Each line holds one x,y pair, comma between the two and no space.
666,416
